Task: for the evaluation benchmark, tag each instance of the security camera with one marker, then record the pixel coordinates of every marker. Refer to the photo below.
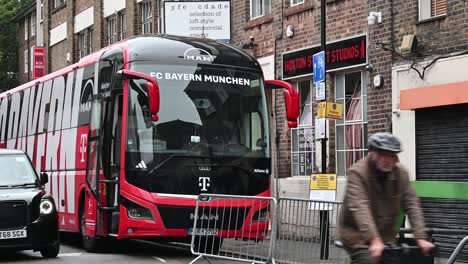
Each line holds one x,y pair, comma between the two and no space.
251,38
396,112
374,17
371,20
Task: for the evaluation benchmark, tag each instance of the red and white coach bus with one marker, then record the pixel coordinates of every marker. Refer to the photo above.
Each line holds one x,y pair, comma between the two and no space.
131,134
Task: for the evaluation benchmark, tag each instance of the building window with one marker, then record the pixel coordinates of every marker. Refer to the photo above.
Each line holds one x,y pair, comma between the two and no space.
33,24
351,131
302,138
123,26
82,45
111,31
26,29
42,11
296,2
58,3
85,42
147,18
26,61
259,8
432,8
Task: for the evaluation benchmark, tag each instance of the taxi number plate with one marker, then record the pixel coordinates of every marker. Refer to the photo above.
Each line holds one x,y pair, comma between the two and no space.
12,234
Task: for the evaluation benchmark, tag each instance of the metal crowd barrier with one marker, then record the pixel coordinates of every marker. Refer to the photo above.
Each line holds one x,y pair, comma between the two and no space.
234,228
307,231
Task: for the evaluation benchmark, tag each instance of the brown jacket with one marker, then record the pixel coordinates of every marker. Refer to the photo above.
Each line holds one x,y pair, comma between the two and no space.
370,209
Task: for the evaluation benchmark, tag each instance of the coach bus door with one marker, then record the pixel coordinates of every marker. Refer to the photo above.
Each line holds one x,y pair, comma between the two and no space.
93,169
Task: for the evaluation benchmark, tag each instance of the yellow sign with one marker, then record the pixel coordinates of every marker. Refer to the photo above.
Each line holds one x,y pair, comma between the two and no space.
323,182
330,110
321,109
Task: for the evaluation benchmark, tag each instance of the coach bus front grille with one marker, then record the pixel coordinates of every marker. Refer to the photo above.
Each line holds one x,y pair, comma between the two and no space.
182,217
13,214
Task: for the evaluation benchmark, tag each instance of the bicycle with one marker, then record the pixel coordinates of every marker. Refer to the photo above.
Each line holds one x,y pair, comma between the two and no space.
403,252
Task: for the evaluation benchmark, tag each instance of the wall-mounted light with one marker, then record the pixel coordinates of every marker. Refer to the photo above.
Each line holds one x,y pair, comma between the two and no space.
374,17
290,31
250,44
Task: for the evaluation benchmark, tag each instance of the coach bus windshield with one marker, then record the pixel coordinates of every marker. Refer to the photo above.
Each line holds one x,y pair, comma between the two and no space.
215,113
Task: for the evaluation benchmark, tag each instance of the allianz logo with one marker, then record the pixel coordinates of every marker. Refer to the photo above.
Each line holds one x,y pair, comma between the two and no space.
205,217
266,171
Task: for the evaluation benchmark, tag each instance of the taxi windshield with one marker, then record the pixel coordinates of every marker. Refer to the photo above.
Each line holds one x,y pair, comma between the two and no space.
16,170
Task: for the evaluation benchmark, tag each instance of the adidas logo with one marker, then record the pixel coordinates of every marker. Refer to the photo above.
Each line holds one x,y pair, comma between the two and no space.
141,165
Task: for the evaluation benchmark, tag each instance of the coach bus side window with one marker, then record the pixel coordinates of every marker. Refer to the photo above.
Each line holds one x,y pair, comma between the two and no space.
117,129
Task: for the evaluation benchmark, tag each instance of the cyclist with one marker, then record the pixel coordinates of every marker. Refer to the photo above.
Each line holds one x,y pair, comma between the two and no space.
378,186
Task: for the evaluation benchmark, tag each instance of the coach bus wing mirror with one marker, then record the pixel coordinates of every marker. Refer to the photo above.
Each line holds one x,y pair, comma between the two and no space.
152,87
291,99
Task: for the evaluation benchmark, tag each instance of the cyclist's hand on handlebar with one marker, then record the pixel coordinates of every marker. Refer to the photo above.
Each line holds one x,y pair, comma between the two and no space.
376,248
425,246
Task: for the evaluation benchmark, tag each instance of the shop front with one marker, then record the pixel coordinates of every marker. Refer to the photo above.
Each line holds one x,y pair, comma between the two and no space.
346,61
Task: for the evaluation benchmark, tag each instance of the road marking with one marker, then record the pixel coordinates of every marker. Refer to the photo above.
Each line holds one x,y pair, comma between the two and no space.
160,259
70,254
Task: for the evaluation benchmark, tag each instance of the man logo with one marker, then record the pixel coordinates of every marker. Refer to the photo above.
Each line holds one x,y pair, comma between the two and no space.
204,168
198,54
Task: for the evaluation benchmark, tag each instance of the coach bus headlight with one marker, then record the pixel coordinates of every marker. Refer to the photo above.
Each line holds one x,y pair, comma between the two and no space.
46,207
261,215
137,211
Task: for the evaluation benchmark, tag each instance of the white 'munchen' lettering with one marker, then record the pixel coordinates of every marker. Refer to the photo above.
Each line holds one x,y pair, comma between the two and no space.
61,191
44,101
30,149
56,102
14,116
53,141
34,106
54,187
23,124
67,149
40,149
66,120
70,177
76,98
3,118
67,161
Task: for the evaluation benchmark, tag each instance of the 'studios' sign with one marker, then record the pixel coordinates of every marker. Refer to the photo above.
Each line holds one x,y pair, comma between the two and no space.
341,54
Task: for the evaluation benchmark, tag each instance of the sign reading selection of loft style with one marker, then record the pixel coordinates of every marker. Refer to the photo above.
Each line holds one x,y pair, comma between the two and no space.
210,19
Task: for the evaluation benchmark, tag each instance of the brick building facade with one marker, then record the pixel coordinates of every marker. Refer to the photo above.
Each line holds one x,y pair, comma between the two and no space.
27,40
283,35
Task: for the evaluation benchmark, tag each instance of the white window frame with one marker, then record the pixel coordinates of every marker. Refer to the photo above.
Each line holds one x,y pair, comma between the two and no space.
82,45
26,61
26,28
31,56
42,11
340,125
147,18
297,2
123,25
90,32
425,10
300,154
261,6
33,24
111,30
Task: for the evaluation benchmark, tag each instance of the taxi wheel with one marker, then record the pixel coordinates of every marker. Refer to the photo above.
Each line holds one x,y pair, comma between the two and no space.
90,244
51,251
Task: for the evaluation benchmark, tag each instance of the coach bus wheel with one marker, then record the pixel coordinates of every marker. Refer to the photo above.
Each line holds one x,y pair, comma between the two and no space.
208,245
90,244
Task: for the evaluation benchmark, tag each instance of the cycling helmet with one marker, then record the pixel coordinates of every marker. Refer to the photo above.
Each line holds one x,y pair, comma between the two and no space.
384,141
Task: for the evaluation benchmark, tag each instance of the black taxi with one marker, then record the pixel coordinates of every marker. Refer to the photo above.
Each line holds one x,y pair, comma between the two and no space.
28,215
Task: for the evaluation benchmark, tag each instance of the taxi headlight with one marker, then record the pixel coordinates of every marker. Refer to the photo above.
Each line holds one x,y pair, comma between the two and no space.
46,207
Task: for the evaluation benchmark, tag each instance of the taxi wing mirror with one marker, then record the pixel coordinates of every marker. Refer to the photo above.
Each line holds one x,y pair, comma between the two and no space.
291,99
152,86
44,178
